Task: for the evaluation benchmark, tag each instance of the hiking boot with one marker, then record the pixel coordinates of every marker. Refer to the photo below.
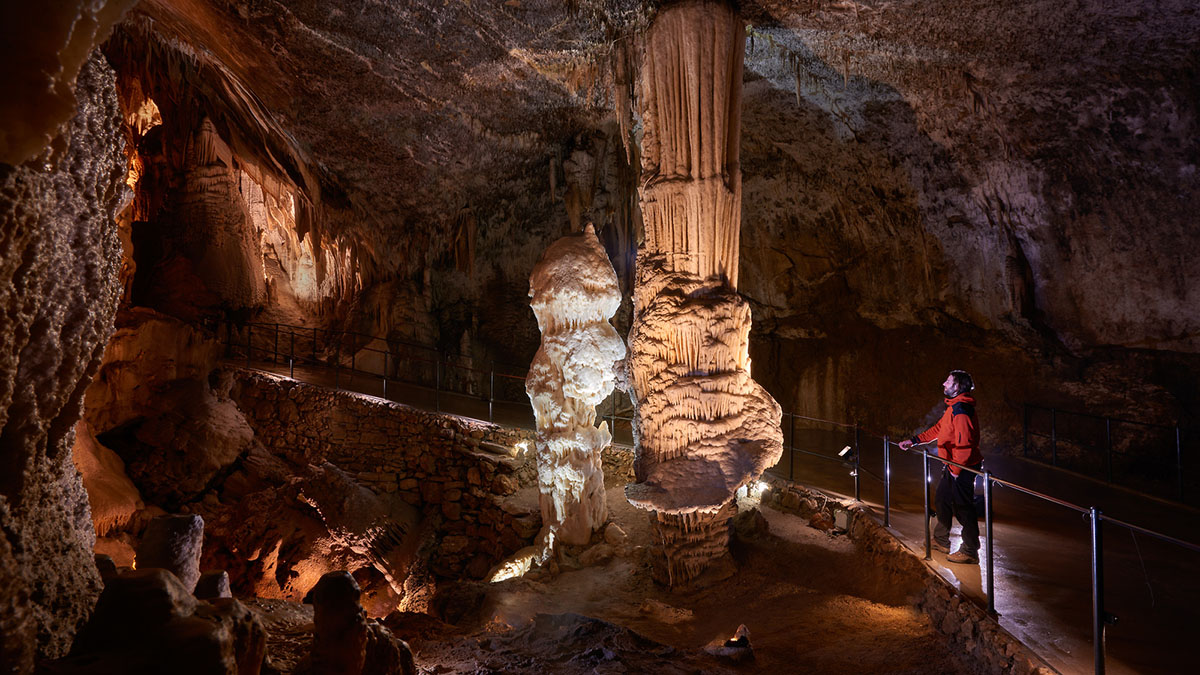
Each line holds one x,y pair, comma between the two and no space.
963,558
939,546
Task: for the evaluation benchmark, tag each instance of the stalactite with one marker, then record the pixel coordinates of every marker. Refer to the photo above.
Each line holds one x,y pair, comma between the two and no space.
704,427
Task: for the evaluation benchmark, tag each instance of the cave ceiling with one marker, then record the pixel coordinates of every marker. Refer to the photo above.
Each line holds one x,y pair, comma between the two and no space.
1005,165
407,112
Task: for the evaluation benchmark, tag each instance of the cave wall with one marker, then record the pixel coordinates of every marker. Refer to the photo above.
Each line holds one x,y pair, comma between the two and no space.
990,205
58,294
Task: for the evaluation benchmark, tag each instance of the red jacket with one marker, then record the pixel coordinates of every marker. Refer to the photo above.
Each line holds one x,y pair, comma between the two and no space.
957,433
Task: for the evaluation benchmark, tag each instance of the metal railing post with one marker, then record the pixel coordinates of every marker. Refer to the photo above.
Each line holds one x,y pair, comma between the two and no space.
249,346
1098,615
887,482
1179,461
314,345
337,361
792,450
1053,438
857,466
437,383
1025,429
987,520
292,353
1108,447
275,353
385,371
925,491
492,394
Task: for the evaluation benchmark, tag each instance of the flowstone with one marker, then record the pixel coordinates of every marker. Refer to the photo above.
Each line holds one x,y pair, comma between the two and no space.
574,293
704,428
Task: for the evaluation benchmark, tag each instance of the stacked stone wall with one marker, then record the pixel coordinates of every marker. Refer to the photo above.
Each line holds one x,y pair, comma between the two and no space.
458,471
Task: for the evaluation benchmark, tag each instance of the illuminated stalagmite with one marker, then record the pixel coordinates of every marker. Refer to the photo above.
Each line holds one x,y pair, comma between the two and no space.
574,293
704,427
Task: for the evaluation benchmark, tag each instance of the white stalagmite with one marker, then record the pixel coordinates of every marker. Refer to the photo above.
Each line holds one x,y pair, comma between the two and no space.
704,427
574,293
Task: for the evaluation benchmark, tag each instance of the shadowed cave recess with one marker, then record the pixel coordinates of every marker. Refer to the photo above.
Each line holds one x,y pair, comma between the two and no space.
809,206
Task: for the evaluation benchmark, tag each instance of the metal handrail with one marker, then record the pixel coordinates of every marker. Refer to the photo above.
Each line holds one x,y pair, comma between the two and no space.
1096,517
1038,406
1028,432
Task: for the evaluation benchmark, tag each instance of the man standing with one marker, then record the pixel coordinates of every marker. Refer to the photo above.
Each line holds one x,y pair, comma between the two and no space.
957,434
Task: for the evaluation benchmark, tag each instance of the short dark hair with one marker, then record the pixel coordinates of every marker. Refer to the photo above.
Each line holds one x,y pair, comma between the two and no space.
963,379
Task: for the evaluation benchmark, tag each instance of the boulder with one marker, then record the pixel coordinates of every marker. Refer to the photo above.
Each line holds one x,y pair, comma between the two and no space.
174,543
146,621
344,641
213,584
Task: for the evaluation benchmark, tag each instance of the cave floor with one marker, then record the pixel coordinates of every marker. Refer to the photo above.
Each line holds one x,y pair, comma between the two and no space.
809,601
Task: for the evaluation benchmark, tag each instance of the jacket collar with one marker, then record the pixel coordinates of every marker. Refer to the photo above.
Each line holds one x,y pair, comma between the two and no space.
961,398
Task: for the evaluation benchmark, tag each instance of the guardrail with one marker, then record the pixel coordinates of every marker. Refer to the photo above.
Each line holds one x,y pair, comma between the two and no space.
1100,617
266,346
1089,433
350,355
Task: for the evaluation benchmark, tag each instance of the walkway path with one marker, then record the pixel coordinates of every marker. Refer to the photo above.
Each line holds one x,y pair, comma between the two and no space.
1042,553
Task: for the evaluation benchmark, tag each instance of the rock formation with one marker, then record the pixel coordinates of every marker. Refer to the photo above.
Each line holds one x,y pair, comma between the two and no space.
704,427
147,622
212,585
173,543
344,641
573,291
58,291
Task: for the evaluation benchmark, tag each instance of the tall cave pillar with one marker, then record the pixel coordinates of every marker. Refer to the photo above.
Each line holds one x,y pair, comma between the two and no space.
573,292
704,427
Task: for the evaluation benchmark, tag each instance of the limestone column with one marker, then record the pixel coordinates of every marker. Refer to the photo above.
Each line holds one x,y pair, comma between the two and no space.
704,427
573,292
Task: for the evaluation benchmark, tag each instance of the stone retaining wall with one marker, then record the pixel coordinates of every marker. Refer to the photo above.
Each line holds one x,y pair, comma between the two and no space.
454,469
981,641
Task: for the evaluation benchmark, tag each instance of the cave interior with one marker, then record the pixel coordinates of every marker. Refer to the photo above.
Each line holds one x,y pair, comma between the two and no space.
266,273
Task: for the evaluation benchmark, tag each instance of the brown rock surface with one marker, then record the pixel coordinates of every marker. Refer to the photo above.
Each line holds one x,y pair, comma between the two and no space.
147,622
58,292
112,497
344,641
173,543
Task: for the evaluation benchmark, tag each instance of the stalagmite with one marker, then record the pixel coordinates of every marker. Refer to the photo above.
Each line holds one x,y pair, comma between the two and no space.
704,427
574,293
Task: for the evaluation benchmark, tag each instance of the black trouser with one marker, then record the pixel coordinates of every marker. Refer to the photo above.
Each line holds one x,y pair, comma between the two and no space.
956,495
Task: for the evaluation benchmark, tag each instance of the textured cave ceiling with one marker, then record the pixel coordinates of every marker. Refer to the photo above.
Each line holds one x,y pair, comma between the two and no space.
413,109
1007,166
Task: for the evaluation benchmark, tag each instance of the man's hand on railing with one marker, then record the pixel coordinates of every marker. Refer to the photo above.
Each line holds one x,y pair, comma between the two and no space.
905,444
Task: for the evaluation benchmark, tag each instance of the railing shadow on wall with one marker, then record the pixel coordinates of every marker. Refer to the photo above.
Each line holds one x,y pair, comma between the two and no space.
398,369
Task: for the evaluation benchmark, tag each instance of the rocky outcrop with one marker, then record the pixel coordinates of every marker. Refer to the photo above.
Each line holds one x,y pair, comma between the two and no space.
173,543
41,98
147,622
59,254
344,641
112,497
